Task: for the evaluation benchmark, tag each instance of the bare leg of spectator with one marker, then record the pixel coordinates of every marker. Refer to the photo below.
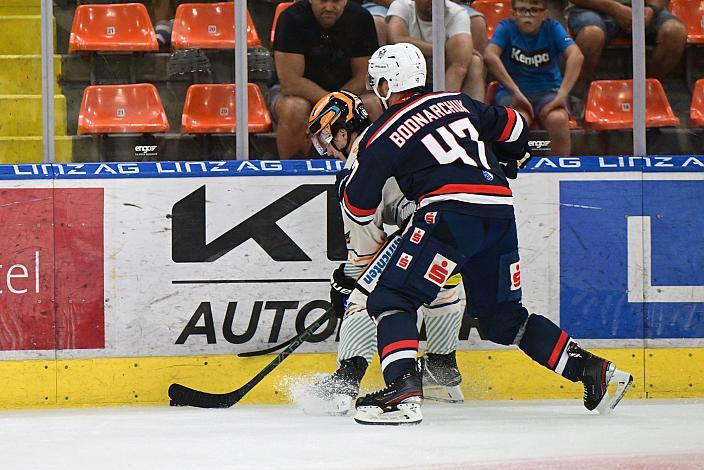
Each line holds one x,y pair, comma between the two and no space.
590,40
474,83
558,127
458,57
380,25
479,36
373,106
523,112
291,139
670,43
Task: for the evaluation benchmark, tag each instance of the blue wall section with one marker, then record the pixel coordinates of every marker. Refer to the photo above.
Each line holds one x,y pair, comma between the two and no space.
593,257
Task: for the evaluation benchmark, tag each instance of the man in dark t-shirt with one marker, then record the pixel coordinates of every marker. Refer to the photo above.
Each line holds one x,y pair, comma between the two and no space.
320,46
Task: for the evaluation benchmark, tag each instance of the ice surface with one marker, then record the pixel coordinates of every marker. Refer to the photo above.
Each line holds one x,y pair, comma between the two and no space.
640,434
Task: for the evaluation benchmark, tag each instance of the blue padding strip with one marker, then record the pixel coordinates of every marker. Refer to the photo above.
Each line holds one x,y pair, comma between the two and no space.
595,164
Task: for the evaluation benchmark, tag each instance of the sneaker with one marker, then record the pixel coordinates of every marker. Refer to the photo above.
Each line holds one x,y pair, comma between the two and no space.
399,403
598,375
333,394
163,34
441,378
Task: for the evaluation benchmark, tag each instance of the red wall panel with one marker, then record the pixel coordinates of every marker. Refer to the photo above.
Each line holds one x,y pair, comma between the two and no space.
51,269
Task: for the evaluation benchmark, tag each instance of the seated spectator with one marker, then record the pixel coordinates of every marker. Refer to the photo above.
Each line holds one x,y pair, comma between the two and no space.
378,10
478,26
320,46
595,23
524,55
411,21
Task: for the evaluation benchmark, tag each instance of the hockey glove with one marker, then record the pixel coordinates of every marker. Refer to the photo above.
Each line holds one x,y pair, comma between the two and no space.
341,287
510,165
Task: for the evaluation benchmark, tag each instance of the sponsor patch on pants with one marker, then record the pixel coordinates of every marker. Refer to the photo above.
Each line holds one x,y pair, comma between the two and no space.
430,217
439,270
515,269
404,260
417,235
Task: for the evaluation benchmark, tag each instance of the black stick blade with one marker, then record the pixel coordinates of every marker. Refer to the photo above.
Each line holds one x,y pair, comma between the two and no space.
181,395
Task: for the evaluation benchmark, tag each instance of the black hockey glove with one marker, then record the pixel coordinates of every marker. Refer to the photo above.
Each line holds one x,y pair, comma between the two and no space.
511,164
341,287
510,168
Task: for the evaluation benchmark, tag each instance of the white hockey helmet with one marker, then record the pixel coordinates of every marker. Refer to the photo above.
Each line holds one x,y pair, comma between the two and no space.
402,65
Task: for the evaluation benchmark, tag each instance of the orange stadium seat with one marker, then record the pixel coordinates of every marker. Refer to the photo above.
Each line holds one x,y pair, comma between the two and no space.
279,8
493,12
691,12
210,109
621,41
490,98
696,111
123,27
610,105
490,95
209,26
121,109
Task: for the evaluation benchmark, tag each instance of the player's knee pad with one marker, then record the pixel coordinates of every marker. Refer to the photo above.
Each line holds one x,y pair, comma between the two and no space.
504,326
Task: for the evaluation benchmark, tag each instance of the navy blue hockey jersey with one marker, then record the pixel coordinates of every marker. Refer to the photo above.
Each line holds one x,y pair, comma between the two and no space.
440,147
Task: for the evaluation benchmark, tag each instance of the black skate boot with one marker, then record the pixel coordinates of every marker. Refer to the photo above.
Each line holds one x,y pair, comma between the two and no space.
598,375
441,378
399,403
333,394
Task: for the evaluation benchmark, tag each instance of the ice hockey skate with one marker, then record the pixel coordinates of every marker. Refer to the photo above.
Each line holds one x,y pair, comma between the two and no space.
441,378
604,384
333,395
397,404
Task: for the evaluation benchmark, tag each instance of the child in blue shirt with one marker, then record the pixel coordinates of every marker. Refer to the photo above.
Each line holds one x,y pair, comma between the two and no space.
524,56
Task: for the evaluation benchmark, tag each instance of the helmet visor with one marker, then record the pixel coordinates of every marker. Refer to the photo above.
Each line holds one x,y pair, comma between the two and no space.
321,140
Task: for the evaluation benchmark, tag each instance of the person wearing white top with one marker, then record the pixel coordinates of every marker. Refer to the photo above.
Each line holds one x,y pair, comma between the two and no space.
410,21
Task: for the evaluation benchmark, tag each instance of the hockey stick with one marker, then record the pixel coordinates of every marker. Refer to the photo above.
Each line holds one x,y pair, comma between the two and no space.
181,395
266,351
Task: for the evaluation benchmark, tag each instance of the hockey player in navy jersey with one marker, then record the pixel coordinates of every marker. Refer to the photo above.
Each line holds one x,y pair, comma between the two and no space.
337,123
443,149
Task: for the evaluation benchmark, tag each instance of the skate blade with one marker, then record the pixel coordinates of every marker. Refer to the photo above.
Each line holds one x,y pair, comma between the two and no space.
405,414
338,405
443,394
618,385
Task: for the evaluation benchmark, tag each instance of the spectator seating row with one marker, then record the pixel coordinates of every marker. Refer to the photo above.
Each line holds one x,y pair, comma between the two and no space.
127,27
609,105
690,12
210,109
137,108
